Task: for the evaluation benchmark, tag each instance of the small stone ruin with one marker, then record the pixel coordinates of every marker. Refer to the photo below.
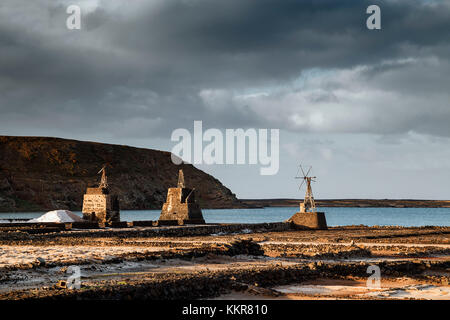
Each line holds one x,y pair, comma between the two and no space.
180,206
99,205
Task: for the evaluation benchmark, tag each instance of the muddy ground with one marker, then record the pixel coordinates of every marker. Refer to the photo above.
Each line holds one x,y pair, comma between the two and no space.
245,263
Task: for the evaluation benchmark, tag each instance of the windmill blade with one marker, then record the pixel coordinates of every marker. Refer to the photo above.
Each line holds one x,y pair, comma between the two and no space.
302,171
297,175
301,184
308,171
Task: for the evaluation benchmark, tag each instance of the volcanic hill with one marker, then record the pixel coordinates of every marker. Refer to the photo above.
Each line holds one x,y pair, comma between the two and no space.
39,173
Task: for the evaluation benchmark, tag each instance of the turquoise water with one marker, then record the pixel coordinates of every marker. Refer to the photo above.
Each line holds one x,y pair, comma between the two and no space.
335,216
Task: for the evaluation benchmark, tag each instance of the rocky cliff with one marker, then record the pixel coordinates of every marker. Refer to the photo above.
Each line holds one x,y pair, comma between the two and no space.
38,173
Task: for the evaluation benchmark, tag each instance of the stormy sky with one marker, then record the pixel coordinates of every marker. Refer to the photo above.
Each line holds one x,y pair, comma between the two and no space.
369,109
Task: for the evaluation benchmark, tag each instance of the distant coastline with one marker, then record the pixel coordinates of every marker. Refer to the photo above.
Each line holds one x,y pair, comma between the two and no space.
361,203
279,202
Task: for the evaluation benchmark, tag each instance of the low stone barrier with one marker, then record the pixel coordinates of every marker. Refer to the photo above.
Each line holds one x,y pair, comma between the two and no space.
168,231
119,224
34,227
85,225
143,223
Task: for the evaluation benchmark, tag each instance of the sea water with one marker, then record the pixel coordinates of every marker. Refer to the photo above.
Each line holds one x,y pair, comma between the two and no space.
406,217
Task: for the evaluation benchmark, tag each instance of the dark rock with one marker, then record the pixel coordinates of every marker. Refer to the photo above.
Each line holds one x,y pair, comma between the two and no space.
40,261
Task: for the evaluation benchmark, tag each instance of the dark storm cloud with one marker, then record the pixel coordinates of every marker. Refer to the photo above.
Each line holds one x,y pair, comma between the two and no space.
144,68
254,42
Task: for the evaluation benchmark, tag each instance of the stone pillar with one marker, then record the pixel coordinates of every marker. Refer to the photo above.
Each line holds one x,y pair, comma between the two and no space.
180,206
100,206
309,220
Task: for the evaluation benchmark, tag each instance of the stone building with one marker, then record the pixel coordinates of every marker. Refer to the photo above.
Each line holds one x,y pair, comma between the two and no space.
181,206
308,220
99,205
308,217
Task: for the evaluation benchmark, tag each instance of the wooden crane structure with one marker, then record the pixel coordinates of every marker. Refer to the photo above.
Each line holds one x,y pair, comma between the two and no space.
104,179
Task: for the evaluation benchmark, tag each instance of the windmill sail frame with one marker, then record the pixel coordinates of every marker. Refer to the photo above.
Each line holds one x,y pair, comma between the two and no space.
308,205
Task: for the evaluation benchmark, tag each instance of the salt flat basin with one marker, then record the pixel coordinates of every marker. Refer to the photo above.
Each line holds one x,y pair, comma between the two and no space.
389,289
13,255
318,289
428,292
366,244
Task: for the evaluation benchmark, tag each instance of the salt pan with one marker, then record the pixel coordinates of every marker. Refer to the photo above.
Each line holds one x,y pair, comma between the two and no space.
58,216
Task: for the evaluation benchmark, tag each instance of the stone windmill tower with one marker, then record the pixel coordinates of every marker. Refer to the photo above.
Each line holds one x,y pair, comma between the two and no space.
180,206
99,205
308,205
308,217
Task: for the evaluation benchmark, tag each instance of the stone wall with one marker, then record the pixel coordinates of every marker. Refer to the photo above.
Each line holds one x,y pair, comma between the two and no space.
174,231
